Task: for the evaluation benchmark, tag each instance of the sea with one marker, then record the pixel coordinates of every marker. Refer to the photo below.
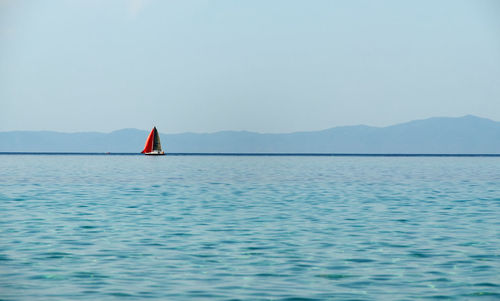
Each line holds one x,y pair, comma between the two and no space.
179,227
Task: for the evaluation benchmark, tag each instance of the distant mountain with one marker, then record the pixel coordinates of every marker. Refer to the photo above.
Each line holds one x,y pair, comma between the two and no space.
463,135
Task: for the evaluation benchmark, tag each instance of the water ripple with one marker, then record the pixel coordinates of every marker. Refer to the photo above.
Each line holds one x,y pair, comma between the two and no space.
249,228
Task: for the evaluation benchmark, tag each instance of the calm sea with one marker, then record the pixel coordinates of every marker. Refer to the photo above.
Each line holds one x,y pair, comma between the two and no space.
249,228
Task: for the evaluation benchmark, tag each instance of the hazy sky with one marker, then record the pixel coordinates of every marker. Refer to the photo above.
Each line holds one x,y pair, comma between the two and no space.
266,66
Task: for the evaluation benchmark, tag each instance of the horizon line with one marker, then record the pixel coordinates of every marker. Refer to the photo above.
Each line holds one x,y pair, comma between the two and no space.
265,154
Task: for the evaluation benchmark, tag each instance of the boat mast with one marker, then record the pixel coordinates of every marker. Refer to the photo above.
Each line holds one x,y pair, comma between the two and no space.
153,141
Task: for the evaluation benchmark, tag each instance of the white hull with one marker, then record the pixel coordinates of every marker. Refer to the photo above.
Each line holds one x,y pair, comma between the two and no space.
155,153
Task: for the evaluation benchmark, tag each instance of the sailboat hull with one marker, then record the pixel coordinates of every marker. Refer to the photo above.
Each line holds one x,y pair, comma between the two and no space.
155,154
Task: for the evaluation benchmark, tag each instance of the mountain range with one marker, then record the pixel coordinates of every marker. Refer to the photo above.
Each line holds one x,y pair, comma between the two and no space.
439,135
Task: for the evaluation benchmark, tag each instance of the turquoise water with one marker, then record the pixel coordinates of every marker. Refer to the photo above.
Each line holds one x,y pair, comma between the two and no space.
250,228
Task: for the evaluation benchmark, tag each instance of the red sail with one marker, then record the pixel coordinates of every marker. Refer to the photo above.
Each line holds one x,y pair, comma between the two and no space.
148,147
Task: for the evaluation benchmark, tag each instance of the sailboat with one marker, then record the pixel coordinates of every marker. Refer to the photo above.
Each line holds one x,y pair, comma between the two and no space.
153,145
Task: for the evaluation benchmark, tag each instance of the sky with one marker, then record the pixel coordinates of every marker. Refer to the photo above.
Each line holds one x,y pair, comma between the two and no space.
264,66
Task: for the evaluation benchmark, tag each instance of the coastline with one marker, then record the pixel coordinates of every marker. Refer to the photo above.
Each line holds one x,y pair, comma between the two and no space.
256,154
